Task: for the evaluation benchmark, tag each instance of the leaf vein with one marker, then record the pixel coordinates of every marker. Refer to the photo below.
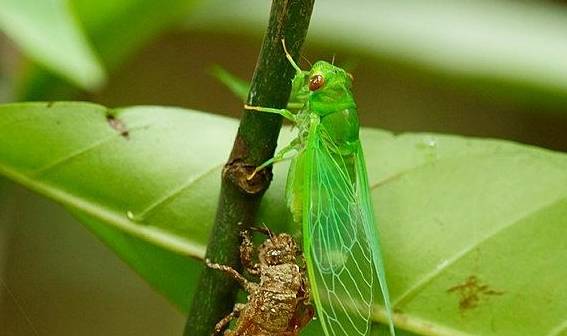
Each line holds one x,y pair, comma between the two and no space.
153,235
73,155
397,176
168,197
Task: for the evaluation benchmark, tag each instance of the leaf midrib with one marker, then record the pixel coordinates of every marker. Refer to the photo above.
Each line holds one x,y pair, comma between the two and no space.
173,194
114,218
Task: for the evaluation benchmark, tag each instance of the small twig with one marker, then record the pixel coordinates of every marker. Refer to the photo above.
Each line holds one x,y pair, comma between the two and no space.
254,144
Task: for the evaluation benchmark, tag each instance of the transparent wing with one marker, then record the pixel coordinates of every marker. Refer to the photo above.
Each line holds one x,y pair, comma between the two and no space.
369,223
337,247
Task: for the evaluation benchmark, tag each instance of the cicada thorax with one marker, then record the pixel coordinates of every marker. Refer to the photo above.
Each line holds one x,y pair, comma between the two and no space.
341,129
333,104
339,133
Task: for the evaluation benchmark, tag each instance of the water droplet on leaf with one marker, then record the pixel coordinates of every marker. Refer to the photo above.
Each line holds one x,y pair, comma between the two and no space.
429,143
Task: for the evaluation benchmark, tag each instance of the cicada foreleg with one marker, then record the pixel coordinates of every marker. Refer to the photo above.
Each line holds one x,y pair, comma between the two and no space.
283,112
295,145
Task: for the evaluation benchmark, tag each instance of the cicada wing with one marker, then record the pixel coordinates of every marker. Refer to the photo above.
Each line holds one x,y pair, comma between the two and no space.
369,224
338,253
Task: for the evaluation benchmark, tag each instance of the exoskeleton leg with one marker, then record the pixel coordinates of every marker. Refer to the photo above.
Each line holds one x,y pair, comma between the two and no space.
222,324
247,285
247,250
263,230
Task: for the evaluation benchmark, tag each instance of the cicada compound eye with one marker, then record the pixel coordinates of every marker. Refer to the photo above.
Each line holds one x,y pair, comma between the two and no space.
316,82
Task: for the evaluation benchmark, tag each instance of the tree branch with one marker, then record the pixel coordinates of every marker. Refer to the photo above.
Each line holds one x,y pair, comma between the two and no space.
255,143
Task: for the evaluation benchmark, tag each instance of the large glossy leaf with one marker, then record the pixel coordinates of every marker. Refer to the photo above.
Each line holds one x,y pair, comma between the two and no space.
50,34
117,28
151,186
473,230
484,43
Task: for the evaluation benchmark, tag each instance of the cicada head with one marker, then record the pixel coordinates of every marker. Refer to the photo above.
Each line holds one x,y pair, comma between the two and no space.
329,88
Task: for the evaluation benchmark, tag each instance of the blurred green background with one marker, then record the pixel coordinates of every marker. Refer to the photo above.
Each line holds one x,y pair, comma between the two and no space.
493,69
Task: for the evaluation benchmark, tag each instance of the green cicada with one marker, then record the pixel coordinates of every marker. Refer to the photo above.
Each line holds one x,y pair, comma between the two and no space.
328,195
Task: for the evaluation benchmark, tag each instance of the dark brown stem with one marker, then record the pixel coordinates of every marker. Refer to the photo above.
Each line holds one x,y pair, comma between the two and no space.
255,143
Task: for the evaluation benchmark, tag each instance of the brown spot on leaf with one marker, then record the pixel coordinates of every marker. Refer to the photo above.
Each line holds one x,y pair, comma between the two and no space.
471,292
118,125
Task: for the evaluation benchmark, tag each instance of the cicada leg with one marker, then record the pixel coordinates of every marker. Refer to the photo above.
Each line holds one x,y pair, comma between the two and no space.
280,156
283,112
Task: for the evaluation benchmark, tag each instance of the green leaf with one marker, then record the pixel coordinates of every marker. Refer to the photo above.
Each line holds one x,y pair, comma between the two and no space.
465,225
49,33
169,272
152,193
473,230
234,84
482,43
2,188
117,28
